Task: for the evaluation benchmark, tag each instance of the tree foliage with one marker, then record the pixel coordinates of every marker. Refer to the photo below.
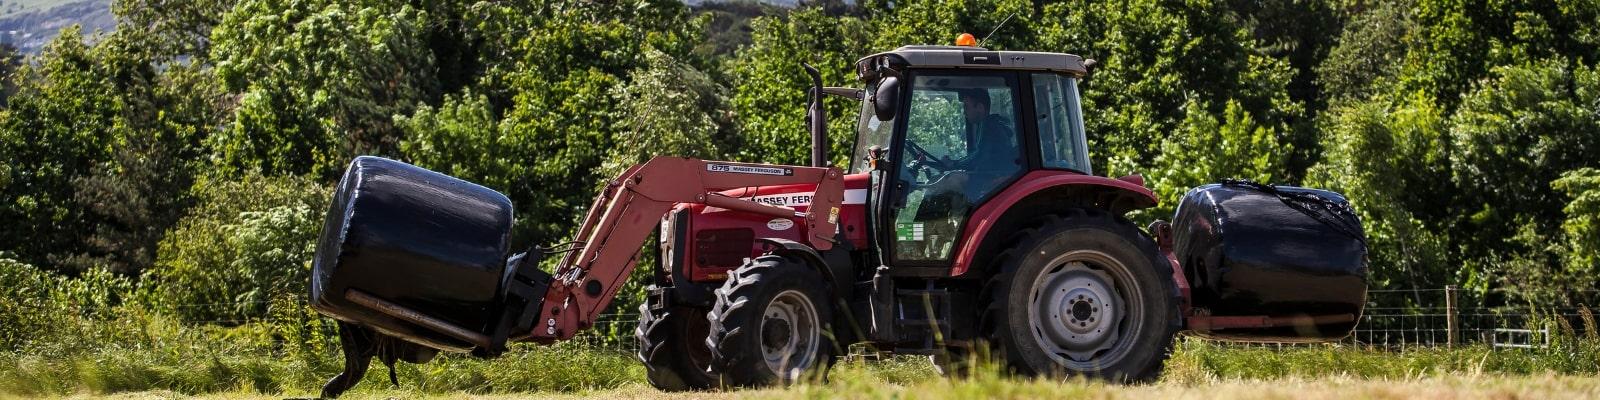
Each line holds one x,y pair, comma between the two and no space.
1463,132
318,82
770,85
1518,132
1582,225
1156,56
1207,150
540,118
247,241
1386,159
669,108
59,125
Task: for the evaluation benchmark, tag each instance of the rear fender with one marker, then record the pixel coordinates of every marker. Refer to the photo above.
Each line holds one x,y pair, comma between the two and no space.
1037,193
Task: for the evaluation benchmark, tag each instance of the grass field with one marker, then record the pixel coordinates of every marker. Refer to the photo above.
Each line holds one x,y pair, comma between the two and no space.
1197,369
1333,387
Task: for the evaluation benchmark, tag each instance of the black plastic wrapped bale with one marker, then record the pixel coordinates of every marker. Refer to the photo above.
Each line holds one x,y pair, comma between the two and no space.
432,245
1295,256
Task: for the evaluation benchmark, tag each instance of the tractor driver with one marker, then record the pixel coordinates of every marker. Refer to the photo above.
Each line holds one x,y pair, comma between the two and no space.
983,156
992,154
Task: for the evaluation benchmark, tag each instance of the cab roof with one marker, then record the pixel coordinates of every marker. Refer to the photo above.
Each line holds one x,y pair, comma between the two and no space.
970,57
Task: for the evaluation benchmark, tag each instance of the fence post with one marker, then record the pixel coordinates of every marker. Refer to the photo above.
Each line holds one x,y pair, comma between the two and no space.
1452,316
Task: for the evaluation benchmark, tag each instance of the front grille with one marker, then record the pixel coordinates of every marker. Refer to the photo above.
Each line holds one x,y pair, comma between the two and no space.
726,248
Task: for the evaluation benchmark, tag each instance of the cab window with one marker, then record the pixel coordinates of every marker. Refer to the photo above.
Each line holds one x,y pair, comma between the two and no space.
1060,123
961,146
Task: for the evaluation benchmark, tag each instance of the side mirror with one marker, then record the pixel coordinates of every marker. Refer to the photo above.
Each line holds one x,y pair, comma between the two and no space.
886,99
1089,66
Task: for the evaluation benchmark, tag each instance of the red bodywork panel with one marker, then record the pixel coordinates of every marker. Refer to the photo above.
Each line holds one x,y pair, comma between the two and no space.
718,239
706,221
618,221
986,215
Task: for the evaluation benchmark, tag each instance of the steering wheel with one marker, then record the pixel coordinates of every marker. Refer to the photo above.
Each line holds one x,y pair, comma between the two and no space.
928,158
927,168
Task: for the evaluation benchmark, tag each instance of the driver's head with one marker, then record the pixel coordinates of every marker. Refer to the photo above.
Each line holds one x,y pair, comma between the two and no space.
975,104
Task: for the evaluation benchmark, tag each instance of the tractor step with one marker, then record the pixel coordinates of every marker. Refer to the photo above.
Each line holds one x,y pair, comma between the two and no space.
922,320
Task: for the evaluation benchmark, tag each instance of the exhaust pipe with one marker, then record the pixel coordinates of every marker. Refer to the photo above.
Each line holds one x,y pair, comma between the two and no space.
817,119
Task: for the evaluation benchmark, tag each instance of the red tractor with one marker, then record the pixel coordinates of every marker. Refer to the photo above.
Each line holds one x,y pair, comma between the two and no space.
969,217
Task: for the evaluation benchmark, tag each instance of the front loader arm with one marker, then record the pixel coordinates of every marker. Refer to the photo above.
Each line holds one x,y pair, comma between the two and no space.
627,211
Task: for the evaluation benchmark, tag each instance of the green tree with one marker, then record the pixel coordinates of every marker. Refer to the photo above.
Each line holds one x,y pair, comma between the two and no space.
939,22
1582,226
668,108
1206,150
139,191
1510,138
1154,56
771,87
541,118
165,30
1391,161
1367,59
57,127
318,82
10,62
727,27
1461,42
1514,135
112,131
249,240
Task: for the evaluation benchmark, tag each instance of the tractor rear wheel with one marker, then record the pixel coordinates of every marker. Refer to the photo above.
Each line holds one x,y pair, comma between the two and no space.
1085,293
670,346
770,324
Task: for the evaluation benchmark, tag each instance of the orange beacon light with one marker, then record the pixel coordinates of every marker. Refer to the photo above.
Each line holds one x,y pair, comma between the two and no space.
967,40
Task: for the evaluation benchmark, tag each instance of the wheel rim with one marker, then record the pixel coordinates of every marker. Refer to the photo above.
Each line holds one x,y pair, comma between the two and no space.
699,356
1083,310
789,334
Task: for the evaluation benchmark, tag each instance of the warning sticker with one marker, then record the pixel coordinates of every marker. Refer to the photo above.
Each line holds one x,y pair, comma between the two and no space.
749,169
908,231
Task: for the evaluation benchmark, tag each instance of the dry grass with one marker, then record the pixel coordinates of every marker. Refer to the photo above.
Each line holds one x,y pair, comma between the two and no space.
1198,369
1447,387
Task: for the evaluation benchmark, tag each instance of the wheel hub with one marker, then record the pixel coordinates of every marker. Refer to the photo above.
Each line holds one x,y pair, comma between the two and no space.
790,334
1075,311
776,332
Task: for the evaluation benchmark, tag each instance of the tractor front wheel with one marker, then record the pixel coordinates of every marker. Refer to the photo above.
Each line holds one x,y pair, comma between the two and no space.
1085,293
669,345
771,324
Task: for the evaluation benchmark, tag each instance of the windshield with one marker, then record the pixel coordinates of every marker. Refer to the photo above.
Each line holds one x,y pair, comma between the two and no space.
870,131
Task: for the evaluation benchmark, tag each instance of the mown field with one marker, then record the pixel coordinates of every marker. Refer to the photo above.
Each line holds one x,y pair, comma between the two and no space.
1198,369
1469,387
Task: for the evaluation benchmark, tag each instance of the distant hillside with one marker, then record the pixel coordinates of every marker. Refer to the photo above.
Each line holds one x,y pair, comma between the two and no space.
30,24
13,7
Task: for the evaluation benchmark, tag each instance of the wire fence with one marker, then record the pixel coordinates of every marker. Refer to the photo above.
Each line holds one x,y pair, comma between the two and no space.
1427,317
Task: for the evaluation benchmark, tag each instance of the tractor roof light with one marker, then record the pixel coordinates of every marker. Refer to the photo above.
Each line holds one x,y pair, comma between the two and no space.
966,40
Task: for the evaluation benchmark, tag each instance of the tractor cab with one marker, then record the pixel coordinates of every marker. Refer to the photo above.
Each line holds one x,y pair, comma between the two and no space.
949,127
